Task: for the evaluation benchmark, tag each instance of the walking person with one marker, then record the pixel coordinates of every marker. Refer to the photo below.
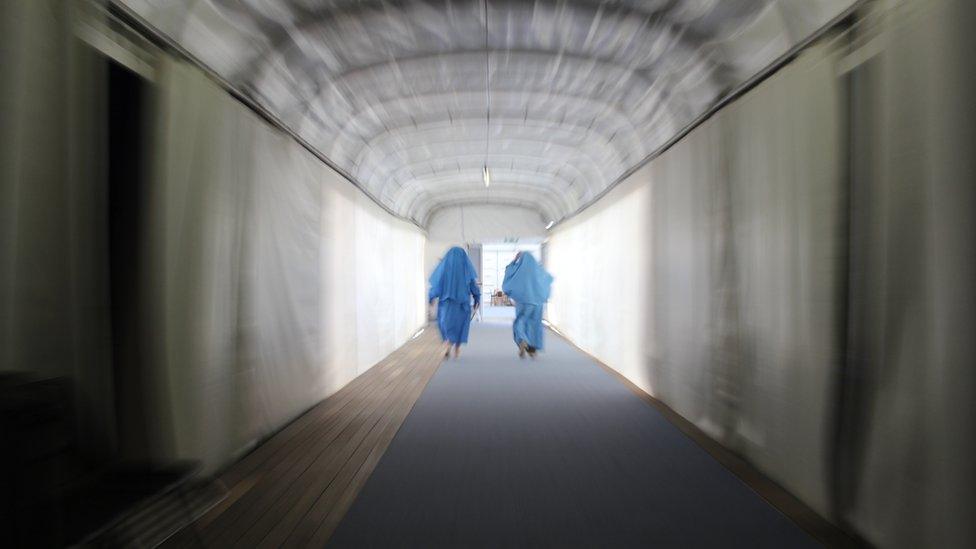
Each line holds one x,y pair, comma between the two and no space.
528,285
453,284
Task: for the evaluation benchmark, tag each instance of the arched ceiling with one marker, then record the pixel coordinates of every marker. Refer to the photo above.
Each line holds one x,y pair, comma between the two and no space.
557,98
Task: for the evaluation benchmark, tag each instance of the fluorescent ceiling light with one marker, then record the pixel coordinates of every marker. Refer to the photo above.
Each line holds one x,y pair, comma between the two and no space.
549,226
487,177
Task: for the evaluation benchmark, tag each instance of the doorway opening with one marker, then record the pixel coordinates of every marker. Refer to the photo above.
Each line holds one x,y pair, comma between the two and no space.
127,131
494,258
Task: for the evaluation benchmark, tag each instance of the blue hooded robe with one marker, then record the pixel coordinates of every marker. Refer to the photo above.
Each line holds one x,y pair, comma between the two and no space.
528,284
453,283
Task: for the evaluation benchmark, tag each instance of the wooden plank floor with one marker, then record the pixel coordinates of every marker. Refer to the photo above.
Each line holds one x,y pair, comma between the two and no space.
295,487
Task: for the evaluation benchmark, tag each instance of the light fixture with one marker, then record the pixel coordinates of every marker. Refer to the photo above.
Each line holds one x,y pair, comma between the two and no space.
549,226
487,176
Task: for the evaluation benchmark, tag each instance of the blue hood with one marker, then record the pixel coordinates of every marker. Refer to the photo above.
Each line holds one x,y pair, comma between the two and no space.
452,277
526,281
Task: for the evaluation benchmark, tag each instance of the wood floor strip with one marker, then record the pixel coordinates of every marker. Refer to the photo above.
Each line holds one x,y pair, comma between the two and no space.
308,422
276,523
326,495
335,501
347,496
295,487
280,474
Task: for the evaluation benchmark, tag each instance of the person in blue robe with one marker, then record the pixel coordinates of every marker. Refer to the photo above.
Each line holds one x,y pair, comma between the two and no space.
453,284
528,285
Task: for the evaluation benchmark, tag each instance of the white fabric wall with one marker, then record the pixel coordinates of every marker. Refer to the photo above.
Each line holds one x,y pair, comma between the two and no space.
598,296
717,278
914,335
706,277
33,282
277,281
53,256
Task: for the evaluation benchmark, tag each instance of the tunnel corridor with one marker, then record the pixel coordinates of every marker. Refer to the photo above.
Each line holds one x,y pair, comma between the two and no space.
492,450
225,227
553,451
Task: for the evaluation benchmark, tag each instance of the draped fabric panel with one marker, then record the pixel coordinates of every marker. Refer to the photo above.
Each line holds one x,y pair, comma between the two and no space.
195,216
916,307
788,218
276,282
281,346
34,283
54,319
710,276
810,307
600,279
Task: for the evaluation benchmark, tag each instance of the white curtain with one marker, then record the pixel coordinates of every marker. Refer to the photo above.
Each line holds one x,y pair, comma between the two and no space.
709,277
53,243
818,325
276,281
917,486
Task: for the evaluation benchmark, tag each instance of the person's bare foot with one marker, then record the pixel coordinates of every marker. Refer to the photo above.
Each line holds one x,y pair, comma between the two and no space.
447,351
522,347
531,351
457,351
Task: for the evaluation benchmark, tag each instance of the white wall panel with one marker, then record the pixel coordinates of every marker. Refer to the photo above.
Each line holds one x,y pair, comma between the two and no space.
599,289
54,313
338,304
276,281
773,279
917,485
708,276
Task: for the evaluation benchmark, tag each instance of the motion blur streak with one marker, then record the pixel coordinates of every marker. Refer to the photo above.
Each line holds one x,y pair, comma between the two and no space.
214,215
805,263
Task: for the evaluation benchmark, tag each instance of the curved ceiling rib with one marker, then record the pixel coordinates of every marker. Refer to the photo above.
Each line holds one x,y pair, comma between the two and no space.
553,152
558,98
418,28
473,164
503,121
514,196
562,182
440,103
390,117
409,133
554,199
